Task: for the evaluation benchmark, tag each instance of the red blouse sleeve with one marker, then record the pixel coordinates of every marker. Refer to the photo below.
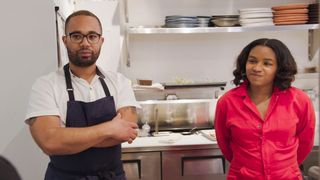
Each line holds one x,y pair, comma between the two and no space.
222,132
305,129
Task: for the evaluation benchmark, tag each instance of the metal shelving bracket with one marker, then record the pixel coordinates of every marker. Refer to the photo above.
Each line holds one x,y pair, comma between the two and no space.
314,42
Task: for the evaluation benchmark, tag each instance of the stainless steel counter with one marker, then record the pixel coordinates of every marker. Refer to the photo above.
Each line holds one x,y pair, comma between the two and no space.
178,157
175,141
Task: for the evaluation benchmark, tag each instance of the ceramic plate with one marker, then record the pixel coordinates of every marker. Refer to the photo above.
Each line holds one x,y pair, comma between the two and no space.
290,22
256,15
255,10
287,15
292,11
289,6
257,24
290,18
256,20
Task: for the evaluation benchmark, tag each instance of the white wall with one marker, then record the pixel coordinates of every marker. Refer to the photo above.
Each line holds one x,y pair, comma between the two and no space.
28,50
199,57
66,7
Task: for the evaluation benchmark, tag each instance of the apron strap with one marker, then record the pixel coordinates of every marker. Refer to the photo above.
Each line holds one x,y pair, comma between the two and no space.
103,83
69,84
105,87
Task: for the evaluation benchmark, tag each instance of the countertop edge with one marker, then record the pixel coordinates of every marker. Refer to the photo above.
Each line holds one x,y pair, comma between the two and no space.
168,148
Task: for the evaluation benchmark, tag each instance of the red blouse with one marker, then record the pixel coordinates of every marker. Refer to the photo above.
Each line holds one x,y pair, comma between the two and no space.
265,149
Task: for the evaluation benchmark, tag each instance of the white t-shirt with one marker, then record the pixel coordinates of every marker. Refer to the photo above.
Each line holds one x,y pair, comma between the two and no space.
49,95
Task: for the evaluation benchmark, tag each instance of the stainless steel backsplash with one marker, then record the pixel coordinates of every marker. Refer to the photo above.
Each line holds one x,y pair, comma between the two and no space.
182,114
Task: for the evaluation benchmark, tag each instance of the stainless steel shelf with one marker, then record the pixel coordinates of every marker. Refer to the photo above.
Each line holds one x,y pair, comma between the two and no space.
308,75
155,30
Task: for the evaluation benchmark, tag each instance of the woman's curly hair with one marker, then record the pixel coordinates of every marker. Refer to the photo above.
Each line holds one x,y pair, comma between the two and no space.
287,66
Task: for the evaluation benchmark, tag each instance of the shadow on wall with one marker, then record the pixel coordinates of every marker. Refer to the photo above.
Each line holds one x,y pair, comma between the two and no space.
26,156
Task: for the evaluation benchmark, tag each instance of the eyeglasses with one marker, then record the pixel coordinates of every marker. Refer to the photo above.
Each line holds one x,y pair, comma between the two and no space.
92,38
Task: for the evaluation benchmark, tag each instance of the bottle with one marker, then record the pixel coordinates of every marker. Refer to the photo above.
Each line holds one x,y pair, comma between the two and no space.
145,129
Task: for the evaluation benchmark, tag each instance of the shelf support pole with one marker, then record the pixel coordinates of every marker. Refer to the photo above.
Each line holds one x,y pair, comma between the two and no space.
313,42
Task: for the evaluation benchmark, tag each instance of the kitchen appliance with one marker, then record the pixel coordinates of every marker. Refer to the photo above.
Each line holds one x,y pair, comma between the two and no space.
203,164
177,115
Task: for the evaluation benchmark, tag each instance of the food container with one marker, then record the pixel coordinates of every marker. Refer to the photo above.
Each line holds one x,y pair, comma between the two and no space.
144,82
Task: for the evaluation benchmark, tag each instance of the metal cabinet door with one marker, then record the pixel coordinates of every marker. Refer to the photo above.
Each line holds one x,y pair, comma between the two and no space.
193,164
142,166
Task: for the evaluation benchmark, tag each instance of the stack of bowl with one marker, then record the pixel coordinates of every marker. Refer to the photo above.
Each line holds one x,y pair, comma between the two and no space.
256,17
225,20
290,14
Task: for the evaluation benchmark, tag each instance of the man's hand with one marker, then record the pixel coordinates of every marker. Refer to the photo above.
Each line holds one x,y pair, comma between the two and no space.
122,130
129,113
56,140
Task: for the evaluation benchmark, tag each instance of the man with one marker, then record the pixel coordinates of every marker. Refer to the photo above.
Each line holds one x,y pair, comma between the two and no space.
79,115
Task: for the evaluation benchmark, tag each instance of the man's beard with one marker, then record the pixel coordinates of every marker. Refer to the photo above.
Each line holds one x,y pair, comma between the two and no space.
76,59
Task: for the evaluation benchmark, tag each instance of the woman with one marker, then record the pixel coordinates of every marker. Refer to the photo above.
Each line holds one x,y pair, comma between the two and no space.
264,126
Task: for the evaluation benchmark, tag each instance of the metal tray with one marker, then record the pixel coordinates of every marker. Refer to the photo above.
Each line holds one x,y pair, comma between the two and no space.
194,85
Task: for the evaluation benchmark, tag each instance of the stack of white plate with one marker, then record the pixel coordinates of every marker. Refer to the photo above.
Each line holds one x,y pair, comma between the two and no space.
256,17
203,21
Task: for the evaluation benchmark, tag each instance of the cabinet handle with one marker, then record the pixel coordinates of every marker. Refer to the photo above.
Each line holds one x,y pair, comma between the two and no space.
134,161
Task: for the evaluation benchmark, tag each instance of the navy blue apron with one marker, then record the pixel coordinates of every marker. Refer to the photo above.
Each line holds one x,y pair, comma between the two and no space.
93,163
